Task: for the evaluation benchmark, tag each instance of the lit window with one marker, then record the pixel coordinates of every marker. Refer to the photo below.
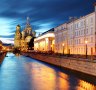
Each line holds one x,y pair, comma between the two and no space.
79,41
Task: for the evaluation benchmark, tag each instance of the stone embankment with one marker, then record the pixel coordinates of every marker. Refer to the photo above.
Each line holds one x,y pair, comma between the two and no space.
2,55
81,65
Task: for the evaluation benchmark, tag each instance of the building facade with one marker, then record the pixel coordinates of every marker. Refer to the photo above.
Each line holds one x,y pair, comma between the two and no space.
45,42
74,37
81,32
61,39
0,45
22,39
78,36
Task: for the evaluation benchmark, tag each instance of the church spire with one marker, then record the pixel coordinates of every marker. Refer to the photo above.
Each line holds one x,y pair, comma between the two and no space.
28,19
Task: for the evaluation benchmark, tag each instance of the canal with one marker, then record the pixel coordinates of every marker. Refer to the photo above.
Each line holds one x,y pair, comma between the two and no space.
24,73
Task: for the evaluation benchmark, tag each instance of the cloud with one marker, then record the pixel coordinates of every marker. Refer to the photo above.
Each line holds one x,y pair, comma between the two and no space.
7,40
44,14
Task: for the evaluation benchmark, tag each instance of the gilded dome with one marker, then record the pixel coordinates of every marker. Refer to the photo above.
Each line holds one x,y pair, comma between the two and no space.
28,38
18,27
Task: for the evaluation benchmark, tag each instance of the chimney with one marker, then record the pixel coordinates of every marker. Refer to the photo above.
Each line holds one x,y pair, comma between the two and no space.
95,6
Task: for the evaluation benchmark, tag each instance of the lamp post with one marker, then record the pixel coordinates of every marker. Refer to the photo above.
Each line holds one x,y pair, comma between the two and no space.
86,47
63,48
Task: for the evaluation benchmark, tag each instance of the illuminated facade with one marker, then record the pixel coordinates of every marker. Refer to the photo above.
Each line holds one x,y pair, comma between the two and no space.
23,38
80,33
17,41
75,35
61,39
0,45
45,42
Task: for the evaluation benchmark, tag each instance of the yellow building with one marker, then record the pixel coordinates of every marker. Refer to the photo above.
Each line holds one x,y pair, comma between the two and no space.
0,45
22,39
45,42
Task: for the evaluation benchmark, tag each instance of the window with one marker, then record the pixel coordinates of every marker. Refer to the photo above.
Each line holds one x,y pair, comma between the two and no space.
71,27
75,33
91,20
81,23
77,25
79,33
87,22
86,31
79,41
75,42
62,28
87,39
91,30
91,39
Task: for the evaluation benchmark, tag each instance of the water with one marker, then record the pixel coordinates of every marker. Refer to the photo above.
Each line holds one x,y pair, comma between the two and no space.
24,73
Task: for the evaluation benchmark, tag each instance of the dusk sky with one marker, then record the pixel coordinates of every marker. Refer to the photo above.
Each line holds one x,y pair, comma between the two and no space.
44,14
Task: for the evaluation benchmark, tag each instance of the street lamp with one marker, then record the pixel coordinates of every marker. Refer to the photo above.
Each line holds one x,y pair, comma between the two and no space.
63,48
86,47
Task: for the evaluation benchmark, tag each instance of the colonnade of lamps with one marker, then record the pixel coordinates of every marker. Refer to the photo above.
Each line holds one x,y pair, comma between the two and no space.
85,44
86,48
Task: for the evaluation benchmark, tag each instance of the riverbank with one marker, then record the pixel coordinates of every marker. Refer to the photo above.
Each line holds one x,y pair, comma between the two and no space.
80,65
2,55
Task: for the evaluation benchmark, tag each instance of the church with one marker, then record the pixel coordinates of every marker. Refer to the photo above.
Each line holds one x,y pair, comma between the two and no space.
24,40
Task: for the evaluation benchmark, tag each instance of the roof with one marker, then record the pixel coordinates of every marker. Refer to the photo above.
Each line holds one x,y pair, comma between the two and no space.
51,30
18,25
0,42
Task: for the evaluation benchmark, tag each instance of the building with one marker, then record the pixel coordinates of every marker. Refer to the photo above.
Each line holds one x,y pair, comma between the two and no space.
81,32
0,45
22,39
78,36
45,42
74,37
61,39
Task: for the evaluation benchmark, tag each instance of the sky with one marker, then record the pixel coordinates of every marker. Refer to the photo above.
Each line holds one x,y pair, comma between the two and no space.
44,14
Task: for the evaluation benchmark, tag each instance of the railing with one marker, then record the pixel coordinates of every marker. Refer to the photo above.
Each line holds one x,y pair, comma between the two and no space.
66,56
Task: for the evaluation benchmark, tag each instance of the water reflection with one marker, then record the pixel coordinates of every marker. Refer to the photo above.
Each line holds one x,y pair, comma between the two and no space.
63,81
83,85
24,73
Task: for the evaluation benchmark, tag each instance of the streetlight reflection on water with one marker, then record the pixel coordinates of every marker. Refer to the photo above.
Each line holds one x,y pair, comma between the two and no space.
24,73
